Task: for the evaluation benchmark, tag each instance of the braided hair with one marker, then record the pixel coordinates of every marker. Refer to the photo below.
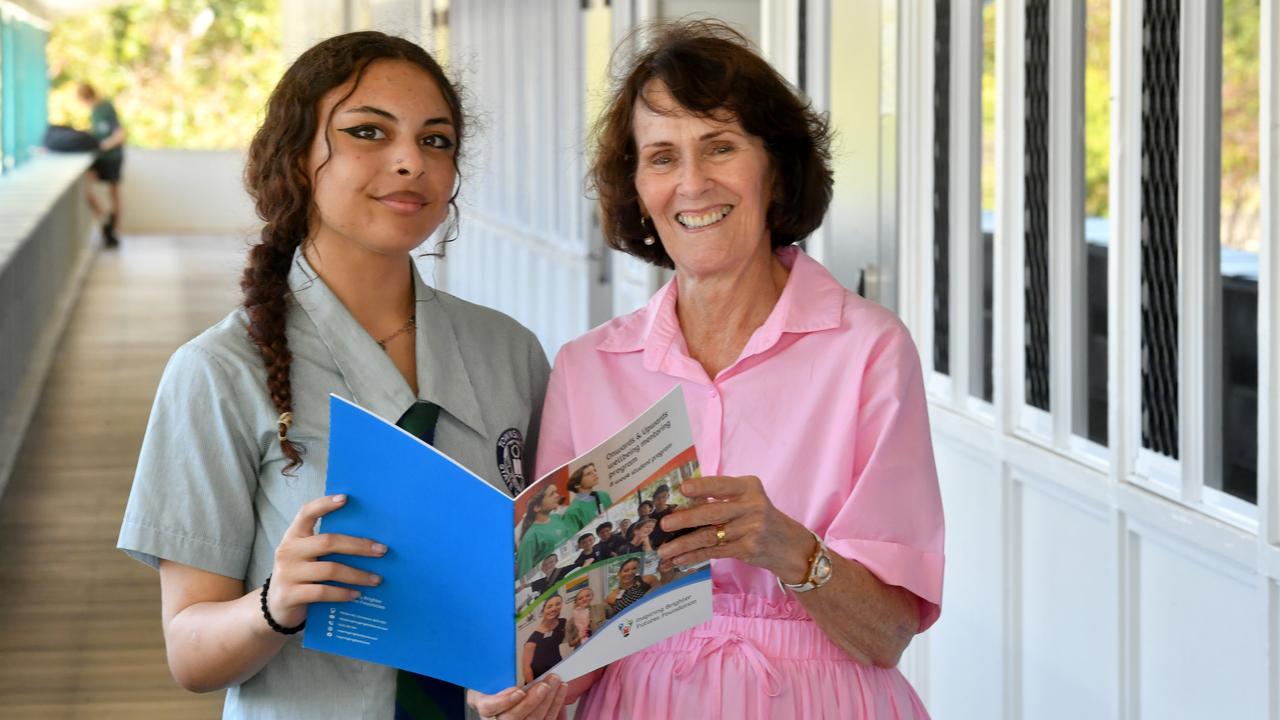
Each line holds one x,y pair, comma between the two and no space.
276,177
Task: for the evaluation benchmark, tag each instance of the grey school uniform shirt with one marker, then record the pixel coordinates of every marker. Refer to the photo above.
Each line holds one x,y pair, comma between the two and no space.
209,491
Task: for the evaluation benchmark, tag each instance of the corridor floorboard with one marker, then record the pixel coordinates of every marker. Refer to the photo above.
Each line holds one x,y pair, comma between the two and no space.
79,621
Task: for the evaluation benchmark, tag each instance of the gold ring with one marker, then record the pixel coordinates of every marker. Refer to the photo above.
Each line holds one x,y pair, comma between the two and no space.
721,535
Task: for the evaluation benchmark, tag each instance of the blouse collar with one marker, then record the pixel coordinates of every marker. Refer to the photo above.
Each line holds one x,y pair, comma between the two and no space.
374,380
811,301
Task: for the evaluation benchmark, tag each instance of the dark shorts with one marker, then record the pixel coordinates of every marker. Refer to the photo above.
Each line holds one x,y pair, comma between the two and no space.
108,169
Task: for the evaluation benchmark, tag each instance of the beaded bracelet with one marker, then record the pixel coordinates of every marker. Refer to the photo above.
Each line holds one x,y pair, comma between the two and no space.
266,585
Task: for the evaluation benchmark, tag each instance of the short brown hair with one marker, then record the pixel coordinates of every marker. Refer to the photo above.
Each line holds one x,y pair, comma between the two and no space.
711,71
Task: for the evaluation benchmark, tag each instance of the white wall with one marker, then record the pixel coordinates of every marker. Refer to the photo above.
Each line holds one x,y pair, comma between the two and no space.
526,245
1076,586
185,192
1067,597
744,15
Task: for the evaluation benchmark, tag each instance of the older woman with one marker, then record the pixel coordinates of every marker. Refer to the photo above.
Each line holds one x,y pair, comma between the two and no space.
806,401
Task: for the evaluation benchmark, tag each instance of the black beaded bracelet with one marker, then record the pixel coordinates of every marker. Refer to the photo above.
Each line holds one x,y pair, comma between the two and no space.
266,585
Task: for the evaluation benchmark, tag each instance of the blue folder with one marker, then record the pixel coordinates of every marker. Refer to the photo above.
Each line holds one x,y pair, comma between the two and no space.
445,606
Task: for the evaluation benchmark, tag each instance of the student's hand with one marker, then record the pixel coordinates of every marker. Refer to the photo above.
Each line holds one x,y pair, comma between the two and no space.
297,578
734,518
542,700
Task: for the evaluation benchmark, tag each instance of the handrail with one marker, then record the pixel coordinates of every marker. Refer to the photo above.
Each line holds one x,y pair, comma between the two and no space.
29,192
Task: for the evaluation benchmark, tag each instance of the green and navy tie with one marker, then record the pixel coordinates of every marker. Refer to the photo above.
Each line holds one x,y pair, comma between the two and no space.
419,697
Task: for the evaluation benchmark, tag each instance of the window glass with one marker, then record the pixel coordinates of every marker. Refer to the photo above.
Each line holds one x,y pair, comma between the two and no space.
1035,183
1240,237
984,387
942,187
1091,415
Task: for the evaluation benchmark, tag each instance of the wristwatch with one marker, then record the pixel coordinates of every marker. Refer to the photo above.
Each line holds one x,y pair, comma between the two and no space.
819,570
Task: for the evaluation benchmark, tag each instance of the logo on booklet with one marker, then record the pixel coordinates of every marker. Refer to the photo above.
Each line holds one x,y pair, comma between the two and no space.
625,628
511,459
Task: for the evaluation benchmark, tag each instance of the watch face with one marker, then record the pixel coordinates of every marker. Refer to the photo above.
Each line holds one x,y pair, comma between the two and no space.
822,568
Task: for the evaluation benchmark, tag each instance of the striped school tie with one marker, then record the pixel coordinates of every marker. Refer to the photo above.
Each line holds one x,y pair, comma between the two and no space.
419,697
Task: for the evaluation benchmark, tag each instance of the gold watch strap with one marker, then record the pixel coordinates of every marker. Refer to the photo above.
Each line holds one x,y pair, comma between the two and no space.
809,582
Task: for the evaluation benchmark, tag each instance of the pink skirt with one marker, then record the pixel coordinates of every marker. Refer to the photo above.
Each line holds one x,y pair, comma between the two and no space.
753,659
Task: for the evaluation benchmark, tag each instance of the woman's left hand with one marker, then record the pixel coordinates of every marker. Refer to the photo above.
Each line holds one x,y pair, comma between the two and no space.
736,519
543,700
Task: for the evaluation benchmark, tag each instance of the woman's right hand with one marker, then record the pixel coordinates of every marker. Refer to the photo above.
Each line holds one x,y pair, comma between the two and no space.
298,577
543,700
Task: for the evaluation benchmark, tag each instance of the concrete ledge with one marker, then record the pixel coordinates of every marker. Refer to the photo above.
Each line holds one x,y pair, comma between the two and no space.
47,243
29,193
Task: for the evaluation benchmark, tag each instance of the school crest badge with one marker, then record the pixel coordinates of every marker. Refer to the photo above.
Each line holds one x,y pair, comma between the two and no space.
511,459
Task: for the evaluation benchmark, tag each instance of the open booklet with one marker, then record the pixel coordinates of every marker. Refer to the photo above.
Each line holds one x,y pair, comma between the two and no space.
462,599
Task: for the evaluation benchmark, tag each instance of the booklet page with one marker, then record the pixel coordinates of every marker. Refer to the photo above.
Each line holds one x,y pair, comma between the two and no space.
590,588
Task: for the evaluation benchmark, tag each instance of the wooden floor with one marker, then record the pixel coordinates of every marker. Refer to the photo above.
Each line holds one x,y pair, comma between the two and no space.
79,621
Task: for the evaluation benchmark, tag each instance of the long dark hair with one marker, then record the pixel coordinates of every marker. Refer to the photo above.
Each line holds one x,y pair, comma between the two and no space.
277,180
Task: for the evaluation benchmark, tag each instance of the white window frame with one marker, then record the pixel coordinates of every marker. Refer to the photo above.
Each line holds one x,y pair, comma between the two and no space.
1269,296
1146,469
1131,485
1009,276
965,205
1061,430
917,257
1185,480
1056,428
917,25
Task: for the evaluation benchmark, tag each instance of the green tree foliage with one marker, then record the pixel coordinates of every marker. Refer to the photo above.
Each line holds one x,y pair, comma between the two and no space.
1097,107
1241,71
988,170
1097,140
1241,121
177,79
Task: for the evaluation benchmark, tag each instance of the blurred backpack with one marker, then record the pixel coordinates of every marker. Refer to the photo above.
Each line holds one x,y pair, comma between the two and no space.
60,138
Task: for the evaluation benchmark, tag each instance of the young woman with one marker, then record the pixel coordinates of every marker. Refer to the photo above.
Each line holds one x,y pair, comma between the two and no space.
542,649
545,526
632,585
640,536
582,487
355,165
660,510
585,618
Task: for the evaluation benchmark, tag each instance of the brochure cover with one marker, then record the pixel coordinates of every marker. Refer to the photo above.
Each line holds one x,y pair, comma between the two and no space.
577,585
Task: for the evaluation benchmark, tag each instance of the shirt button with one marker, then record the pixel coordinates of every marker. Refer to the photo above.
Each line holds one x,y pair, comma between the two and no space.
714,393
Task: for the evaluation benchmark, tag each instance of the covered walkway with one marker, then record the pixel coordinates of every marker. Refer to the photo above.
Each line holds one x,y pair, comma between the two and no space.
79,621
